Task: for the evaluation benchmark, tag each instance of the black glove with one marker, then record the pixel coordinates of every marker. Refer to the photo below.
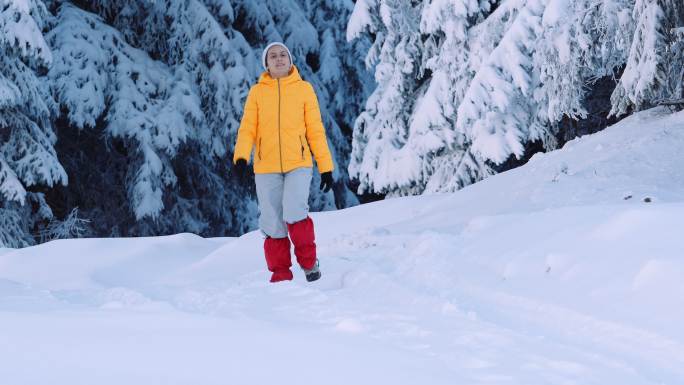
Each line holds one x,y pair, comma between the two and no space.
240,170
326,181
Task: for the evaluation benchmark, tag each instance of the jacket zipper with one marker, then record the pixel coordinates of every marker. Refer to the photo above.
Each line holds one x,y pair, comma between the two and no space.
280,143
302,143
260,148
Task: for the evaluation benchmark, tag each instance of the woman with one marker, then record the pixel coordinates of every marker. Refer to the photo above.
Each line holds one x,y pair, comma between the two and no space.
282,119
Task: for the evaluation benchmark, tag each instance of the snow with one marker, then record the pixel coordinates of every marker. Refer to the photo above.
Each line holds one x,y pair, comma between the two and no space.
556,11
19,27
495,112
360,19
10,186
564,271
9,92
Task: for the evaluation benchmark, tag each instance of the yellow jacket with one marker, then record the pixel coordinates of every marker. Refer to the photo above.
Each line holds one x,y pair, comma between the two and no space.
281,117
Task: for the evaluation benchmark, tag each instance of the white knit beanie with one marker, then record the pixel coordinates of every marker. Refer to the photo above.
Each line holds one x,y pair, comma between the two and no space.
263,55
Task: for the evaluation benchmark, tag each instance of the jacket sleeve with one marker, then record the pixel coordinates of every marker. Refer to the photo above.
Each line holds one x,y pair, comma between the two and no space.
315,132
246,136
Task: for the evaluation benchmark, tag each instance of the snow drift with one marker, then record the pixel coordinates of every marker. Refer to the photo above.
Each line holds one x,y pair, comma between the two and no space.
567,270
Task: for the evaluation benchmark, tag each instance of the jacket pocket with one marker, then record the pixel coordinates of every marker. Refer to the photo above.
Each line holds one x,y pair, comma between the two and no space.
259,149
301,142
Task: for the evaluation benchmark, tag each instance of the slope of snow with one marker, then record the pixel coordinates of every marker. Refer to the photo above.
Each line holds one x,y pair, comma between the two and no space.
567,270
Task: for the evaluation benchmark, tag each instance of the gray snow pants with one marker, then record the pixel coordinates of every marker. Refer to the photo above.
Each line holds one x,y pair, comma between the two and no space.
283,198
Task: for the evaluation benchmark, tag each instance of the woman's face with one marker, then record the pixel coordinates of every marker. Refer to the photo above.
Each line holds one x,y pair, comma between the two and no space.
277,61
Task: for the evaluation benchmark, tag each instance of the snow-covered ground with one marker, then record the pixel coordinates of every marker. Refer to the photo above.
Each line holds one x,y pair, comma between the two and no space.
568,270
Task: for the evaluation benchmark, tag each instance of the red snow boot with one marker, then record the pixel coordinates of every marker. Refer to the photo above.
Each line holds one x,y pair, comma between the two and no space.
278,260
302,235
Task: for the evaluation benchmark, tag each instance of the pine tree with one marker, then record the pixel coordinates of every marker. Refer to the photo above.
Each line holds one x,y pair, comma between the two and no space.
380,160
674,72
149,95
202,56
653,72
170,105
498,113
496,79
97,72
442,154
28,161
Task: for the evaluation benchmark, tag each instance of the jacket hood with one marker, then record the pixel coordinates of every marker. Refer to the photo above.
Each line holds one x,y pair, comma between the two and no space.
292,77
